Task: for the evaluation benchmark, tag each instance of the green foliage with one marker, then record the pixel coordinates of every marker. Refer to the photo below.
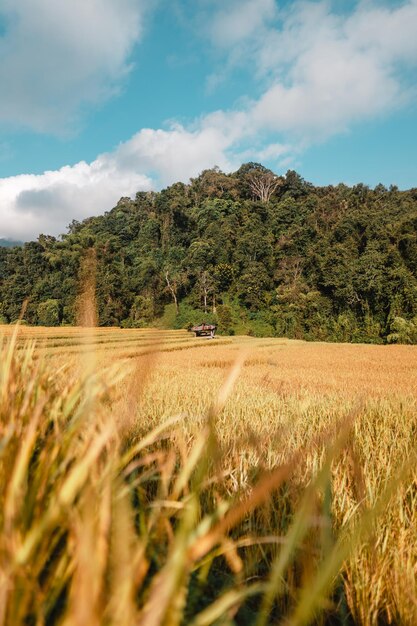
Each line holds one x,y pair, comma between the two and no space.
188,316
3,318
49,313
317,263
260,328
224,317
168,318
403,331
142,312
223,274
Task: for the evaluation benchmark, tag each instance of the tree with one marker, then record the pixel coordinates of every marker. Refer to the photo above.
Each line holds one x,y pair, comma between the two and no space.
261,181
263,185
174,280
205,284
223,275
213,183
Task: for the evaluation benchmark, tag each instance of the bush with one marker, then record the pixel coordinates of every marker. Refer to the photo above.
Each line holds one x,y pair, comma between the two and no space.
189,316
224,316
402,331
142,311
49,313
260,328
168,317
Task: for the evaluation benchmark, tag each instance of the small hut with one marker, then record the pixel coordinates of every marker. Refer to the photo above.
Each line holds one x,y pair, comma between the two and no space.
204,330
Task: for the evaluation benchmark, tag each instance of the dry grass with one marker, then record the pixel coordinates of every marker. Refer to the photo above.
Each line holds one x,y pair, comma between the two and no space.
152,478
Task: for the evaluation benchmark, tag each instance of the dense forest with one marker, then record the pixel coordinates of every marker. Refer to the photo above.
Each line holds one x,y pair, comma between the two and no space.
256,253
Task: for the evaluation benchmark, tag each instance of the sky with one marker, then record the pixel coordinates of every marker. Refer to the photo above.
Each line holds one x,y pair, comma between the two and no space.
103,98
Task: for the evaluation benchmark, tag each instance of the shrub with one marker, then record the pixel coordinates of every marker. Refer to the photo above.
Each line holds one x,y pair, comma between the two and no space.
49,313
224,316
189,316
402,331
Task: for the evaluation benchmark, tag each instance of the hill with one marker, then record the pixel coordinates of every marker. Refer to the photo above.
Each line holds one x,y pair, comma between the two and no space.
9,243
258,253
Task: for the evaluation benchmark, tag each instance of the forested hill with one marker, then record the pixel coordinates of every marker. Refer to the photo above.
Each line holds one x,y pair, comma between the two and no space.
260,254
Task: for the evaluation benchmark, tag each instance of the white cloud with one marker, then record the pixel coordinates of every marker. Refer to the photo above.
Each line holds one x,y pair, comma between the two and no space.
391,33
238,27
324,71
239,20
31,204
175,154
272,152
333,88
57,56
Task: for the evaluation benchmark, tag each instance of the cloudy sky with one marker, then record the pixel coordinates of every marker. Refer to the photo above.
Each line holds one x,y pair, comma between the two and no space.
102,98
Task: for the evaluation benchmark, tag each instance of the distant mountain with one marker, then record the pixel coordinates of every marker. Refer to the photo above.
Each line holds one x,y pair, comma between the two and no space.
10,243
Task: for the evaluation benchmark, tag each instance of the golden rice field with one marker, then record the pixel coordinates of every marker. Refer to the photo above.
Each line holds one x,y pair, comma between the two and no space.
149,477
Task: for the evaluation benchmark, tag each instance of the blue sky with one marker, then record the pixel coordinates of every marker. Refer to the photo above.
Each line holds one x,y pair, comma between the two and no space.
102,98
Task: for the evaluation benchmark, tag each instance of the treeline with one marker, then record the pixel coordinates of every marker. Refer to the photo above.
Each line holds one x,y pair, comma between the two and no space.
257,253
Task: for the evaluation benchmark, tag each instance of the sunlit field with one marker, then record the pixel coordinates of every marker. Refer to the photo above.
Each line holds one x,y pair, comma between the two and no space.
149,477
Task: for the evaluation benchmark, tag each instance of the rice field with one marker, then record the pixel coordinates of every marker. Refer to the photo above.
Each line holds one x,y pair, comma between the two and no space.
149,477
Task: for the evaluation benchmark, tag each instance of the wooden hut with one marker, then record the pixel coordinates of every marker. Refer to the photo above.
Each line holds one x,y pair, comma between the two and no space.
204,330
